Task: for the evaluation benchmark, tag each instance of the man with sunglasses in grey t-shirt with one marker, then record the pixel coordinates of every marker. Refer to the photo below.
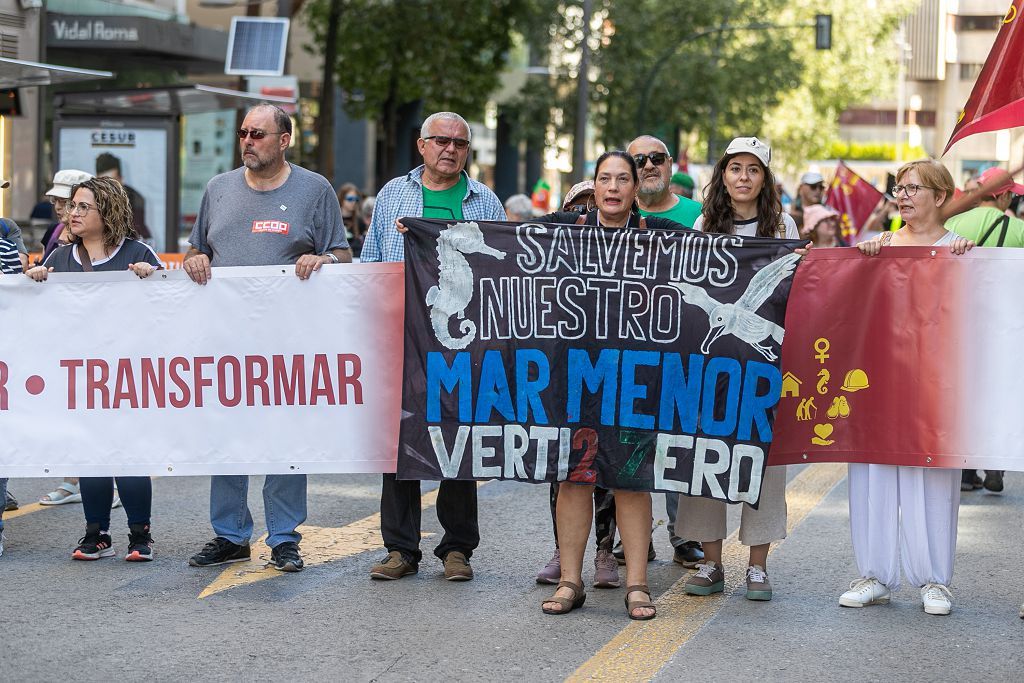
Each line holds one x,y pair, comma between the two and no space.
269,212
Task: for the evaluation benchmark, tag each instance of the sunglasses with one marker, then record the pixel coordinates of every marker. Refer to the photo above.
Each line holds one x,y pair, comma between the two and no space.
255,134
443,141
657,159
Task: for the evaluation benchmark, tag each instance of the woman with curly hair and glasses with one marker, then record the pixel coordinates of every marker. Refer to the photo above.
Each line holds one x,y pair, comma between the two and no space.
103,239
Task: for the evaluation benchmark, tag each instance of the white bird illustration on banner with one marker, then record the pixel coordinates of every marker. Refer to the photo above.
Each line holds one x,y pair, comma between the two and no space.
741,319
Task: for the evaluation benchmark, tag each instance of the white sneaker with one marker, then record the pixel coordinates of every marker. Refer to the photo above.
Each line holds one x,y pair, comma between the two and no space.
864,592
936,598
2,554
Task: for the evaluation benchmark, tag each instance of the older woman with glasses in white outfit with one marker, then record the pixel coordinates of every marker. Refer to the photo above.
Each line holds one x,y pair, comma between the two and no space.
907,513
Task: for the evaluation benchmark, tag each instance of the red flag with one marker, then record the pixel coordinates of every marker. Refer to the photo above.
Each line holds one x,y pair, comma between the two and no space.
853,197
997,101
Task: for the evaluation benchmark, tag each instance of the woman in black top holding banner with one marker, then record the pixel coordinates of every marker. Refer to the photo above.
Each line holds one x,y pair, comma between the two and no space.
102,240
615,185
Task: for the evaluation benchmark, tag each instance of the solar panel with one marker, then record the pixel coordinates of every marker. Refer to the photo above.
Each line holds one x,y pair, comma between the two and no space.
256,46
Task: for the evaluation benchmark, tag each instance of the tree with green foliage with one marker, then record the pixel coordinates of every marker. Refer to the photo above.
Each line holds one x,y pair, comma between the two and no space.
693,66
392,53
666,68
860,66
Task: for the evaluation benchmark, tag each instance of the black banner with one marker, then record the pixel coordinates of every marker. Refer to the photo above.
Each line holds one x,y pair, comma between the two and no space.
631,359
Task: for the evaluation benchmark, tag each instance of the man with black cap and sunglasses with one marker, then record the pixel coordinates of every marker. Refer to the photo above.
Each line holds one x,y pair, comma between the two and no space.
269,212
654,164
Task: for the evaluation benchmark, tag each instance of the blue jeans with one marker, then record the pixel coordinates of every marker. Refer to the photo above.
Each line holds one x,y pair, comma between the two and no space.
284,503
3,500
98,495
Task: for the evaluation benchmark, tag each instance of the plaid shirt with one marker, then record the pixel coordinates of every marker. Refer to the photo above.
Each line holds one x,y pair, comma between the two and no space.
402,197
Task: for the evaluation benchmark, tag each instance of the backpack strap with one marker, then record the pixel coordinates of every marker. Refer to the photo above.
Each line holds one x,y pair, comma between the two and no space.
83,256
1005,221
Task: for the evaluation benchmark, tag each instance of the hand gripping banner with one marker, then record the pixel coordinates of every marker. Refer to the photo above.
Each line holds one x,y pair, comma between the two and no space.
634,359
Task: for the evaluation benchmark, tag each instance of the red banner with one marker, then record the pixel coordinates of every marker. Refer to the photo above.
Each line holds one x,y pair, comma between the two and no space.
854,198
921,369
997,100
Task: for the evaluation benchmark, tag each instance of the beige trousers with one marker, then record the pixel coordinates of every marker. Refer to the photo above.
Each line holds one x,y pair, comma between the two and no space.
704,519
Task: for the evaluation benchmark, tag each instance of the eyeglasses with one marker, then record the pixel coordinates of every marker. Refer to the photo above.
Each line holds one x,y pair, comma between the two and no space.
910,189
443,141
351,198
255,134
81,207
657,159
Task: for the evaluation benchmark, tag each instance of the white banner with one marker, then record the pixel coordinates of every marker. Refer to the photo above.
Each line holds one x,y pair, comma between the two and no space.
257,372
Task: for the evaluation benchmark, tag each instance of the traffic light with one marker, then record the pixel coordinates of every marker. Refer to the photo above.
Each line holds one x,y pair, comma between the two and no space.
823,32
10,103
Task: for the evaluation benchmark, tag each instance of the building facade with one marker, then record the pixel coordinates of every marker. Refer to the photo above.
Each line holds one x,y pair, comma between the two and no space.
944,45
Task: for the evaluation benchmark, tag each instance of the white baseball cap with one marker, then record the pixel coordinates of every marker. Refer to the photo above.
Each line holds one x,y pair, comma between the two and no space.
811,178
750,146
64,180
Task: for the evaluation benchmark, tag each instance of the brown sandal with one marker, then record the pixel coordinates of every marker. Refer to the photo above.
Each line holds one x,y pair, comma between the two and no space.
567,604
638,604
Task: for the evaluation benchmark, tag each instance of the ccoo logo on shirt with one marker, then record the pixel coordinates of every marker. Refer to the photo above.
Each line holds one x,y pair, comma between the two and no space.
272,226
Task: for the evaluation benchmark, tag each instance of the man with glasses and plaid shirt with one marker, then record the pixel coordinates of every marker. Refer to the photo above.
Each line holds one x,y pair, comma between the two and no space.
267,213
440,188
654,195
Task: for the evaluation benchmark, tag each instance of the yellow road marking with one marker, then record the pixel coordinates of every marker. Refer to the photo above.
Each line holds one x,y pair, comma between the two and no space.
25,509
641,649
319,546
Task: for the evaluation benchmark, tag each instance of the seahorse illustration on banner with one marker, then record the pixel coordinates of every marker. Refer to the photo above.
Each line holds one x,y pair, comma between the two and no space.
454,288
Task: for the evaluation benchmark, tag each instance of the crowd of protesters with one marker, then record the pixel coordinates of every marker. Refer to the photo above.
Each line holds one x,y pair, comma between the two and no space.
896,513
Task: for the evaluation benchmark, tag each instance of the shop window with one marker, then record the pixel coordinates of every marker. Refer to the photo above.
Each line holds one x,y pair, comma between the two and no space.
970,72
8,46
978,23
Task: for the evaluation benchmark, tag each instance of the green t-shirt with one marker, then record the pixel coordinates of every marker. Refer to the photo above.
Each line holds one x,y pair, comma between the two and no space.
446,204
975,223
685,212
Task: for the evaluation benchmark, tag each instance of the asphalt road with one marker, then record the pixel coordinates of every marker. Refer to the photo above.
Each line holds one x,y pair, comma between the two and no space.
167,621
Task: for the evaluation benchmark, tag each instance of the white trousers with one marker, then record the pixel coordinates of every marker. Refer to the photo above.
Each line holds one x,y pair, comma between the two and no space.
904,511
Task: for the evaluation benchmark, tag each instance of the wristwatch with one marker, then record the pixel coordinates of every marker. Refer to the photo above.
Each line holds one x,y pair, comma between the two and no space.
330,255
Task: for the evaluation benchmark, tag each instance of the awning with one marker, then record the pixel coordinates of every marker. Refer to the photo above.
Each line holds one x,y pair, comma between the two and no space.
186,99
16,73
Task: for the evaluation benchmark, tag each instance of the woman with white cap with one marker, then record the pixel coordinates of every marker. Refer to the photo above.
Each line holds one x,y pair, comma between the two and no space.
740,200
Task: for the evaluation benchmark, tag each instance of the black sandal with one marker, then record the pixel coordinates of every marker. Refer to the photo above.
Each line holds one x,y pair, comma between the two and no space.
639,604
567,604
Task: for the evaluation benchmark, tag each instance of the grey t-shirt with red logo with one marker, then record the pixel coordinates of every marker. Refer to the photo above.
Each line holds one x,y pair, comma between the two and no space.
240,226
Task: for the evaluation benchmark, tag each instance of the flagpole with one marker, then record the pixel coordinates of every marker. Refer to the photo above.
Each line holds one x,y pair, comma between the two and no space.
901,91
